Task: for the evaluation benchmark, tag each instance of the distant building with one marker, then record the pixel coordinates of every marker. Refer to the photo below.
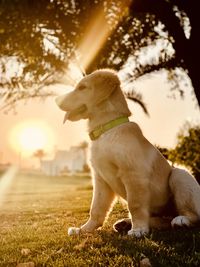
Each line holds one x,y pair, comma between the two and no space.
72,160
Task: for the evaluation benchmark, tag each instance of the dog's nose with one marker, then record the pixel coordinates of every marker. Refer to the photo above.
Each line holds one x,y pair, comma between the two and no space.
60,101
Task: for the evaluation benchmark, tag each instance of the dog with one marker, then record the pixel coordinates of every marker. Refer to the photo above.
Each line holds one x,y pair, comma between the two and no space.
124,163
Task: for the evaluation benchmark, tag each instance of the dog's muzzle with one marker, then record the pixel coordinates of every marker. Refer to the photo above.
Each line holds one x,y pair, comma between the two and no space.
74,112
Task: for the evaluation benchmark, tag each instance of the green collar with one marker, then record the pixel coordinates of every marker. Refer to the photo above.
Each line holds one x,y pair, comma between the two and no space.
99,130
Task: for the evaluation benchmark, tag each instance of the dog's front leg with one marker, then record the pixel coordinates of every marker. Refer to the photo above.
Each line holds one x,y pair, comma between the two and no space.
138,205
103,197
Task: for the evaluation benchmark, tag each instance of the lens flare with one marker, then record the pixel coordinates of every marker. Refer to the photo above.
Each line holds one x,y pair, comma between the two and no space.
5,182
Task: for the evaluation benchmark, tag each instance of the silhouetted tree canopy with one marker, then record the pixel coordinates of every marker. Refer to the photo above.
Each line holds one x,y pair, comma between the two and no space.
187,150
39,38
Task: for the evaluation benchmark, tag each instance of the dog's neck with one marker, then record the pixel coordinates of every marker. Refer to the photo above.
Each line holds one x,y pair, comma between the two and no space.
108,110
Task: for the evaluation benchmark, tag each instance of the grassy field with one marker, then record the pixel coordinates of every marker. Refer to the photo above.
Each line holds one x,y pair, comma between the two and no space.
38,210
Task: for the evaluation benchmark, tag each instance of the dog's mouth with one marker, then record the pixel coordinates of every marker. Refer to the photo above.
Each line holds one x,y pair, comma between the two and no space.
70,115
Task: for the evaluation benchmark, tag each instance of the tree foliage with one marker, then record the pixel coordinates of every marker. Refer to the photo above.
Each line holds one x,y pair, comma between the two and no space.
40,38
39,153
187,151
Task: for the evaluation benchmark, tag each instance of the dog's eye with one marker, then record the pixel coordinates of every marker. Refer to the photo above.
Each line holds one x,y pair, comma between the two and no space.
81,87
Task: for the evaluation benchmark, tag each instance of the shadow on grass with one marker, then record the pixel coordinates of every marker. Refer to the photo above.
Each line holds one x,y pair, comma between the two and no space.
163,248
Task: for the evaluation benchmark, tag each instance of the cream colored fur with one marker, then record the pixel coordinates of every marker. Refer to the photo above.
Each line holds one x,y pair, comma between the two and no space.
125,163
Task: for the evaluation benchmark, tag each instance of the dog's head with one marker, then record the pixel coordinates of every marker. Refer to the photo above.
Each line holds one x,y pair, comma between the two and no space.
89,92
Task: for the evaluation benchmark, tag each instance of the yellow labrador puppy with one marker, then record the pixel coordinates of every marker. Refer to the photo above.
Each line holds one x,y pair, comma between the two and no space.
124,162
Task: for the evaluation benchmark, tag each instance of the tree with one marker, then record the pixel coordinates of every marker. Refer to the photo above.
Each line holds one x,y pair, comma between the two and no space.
187,150
39,154
40,40
174,15
164,151
166,22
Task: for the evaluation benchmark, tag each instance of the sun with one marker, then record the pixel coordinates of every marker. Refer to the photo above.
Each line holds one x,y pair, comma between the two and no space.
29,136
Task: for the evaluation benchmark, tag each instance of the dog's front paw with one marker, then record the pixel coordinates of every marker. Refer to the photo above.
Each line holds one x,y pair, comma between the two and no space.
180,221
74,231
138,232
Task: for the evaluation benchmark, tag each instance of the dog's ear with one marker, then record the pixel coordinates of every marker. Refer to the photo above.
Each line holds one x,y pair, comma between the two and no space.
104,84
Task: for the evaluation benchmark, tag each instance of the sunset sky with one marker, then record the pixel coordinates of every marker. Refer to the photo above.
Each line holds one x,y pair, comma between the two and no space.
38,124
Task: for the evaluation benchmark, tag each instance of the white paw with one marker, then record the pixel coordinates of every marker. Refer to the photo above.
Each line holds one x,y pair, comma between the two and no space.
74,231
138,232
180,221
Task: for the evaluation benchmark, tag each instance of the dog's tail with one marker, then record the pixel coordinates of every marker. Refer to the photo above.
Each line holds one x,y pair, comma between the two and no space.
186,192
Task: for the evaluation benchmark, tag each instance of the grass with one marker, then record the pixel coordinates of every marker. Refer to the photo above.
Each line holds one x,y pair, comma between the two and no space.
38,210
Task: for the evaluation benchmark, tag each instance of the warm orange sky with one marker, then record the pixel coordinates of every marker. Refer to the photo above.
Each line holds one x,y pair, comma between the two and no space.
167,116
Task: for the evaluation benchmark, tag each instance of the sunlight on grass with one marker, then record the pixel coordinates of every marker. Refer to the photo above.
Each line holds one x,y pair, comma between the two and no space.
29,192
39,209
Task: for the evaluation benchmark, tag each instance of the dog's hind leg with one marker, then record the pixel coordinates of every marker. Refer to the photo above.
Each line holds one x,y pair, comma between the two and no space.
186,193
103,198
160,223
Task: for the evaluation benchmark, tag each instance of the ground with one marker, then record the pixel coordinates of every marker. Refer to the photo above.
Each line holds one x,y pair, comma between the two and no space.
37,211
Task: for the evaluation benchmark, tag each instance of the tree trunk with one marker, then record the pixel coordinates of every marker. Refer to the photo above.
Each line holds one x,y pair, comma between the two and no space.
187,50
192,55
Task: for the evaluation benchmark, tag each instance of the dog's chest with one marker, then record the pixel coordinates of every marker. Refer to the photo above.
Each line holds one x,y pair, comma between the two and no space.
102,159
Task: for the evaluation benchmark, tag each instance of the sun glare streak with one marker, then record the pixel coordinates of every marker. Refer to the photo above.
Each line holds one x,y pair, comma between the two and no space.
6,181
96,34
